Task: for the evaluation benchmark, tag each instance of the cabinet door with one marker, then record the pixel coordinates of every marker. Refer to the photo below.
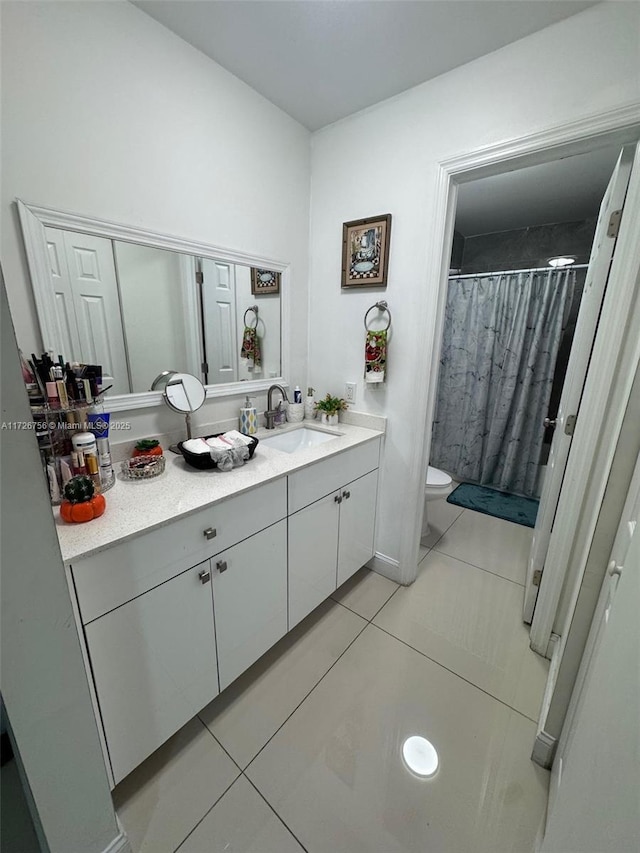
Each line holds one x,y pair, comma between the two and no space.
313,550
250,599
357,521
154,666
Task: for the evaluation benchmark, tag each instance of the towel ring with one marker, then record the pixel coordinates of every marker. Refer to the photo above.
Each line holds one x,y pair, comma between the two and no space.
253,308
381,306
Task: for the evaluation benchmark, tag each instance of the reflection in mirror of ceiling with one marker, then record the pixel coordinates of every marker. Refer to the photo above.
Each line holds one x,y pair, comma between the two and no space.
376,49
567,190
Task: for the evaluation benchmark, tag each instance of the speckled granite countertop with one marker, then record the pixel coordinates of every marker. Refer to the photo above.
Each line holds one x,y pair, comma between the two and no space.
135,507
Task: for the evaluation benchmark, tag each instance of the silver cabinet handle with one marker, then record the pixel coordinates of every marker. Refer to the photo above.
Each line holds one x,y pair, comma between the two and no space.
549,422
338,499
204,575
346,495
221,565
210,533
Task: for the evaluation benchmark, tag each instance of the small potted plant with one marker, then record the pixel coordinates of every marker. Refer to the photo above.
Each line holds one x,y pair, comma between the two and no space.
329,408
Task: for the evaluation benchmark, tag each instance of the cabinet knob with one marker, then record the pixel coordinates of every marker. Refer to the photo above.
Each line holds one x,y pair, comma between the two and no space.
205,576
338,499
210,533
346,495
221,565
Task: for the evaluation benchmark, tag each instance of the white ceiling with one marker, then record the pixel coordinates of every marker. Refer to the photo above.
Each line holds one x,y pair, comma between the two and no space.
322,60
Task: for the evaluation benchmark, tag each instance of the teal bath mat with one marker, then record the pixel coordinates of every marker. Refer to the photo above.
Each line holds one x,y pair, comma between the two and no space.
499,504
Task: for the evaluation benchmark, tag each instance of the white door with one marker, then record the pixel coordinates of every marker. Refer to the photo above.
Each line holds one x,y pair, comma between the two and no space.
250,599
63,297
87,281
593,803
154,665
590,306
357,520
219,321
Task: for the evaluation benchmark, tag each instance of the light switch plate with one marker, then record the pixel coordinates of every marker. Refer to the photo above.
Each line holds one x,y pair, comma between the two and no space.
350,392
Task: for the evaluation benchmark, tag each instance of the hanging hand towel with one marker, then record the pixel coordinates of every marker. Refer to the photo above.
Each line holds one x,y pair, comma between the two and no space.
375,356
251,348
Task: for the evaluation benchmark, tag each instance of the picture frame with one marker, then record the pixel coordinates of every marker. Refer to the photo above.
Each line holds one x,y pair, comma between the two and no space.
264,281
365,251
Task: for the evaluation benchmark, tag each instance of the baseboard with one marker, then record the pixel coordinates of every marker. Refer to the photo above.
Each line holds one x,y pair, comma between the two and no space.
120,844
386,566
544,750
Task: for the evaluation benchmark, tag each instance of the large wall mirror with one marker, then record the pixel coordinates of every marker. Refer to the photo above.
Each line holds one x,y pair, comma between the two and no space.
138,303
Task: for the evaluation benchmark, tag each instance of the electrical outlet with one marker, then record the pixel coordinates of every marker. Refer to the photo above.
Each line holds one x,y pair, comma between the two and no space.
350,392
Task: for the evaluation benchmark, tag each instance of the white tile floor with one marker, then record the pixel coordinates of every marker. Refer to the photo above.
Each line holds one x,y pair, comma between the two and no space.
304,752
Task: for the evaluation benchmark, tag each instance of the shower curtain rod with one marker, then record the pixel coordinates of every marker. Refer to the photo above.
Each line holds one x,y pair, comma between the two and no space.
512,272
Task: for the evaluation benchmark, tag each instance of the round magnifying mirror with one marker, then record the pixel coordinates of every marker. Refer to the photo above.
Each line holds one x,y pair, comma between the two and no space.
160,382
184,392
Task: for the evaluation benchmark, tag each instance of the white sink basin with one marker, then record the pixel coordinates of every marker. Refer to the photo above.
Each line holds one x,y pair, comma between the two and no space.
297,439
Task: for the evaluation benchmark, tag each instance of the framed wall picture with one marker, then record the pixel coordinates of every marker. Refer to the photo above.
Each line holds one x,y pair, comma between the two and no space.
264,281
365,251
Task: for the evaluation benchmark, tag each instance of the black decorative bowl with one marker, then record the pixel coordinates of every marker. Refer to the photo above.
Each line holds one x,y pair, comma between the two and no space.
202,460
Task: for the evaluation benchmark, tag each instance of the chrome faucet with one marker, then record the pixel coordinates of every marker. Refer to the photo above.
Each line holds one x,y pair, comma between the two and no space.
271,413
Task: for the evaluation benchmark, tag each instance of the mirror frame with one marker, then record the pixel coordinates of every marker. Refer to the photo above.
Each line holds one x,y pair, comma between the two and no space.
34,219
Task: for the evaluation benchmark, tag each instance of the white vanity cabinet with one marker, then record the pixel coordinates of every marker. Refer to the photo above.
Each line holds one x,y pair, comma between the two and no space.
169,617
154,666
330,537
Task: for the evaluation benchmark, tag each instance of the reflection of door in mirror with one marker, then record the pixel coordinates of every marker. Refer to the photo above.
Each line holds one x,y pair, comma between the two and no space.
218,305
87,303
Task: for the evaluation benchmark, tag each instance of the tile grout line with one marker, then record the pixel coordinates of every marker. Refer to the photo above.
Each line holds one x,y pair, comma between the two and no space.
197,824
306,696
473,566
457,674
280,818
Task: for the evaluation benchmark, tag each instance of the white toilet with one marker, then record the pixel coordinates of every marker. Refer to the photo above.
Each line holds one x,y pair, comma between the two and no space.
438,485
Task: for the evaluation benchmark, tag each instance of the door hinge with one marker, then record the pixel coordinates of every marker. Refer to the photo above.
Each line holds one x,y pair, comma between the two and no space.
205,366
570,425
537,575
614,223
199,277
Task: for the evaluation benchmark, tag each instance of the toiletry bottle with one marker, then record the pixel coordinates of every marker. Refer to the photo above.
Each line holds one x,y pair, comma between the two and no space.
84,444
248,418
297,394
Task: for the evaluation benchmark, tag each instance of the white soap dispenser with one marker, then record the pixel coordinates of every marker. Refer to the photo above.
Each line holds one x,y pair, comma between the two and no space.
248,418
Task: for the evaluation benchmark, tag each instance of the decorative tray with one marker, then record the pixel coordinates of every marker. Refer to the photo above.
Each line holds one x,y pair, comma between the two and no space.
142,467
203,460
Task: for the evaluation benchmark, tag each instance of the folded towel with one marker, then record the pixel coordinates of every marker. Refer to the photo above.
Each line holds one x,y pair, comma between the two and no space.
196,445
237,438
251,347
375,356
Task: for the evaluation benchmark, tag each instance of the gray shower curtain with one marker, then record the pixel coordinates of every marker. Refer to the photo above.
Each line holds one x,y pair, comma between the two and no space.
500,342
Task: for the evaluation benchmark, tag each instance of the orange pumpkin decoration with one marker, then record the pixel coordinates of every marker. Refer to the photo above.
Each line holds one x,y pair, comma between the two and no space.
147,447
80,503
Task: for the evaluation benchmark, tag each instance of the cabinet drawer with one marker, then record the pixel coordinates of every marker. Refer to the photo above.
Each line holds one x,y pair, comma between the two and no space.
116,575
327,475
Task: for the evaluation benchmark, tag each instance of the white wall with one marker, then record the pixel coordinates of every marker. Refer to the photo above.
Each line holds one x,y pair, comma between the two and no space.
108,114
44,684
386,160
152,311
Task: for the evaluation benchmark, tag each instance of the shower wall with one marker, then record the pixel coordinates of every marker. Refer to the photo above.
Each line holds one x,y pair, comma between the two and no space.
528,247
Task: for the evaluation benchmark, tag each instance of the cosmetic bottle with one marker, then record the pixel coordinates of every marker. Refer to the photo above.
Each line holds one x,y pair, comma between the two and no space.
297,394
